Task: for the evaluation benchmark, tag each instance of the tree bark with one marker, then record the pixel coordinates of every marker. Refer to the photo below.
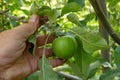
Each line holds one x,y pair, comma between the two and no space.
105,54
104,21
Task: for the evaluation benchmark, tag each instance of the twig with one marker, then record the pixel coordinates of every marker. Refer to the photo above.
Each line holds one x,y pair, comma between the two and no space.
4,11
20,19
104,21
14,17
68,76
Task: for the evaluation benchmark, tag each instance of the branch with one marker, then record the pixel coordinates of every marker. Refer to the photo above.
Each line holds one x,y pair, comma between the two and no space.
20,19
4,11
104,21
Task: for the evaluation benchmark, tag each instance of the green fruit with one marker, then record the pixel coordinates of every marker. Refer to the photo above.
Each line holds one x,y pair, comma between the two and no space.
64,47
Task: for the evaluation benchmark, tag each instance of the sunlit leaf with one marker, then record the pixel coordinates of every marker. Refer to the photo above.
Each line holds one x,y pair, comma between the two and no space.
34,8
71,7
113,2
19,2
80,2
92,41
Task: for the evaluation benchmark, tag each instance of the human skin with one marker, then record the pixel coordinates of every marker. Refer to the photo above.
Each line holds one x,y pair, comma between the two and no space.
16,62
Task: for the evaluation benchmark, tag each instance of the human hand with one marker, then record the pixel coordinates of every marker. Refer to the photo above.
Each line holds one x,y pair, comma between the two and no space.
16,62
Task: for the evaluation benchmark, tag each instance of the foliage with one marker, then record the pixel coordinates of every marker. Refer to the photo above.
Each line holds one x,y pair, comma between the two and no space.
76,18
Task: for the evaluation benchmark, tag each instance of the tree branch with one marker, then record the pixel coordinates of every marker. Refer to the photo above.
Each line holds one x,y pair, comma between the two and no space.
104,21
20,19
4,11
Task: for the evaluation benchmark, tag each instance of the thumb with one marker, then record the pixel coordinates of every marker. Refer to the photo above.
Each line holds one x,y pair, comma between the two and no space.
27,29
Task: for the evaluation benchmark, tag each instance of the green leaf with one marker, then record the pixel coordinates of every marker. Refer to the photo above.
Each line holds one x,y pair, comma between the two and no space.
55,15
34,76
82,60
92,41
80,2
93,68
34,8
109,74
71,7
19,2
45,10
90,16
113,2
73,18
47,72
76,70
32,39
117,57
52,14
14,23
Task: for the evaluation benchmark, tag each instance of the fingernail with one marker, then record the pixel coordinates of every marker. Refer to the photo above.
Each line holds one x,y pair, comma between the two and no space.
33,18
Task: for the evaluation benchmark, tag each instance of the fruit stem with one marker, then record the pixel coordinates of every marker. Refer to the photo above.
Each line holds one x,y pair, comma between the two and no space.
46,43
